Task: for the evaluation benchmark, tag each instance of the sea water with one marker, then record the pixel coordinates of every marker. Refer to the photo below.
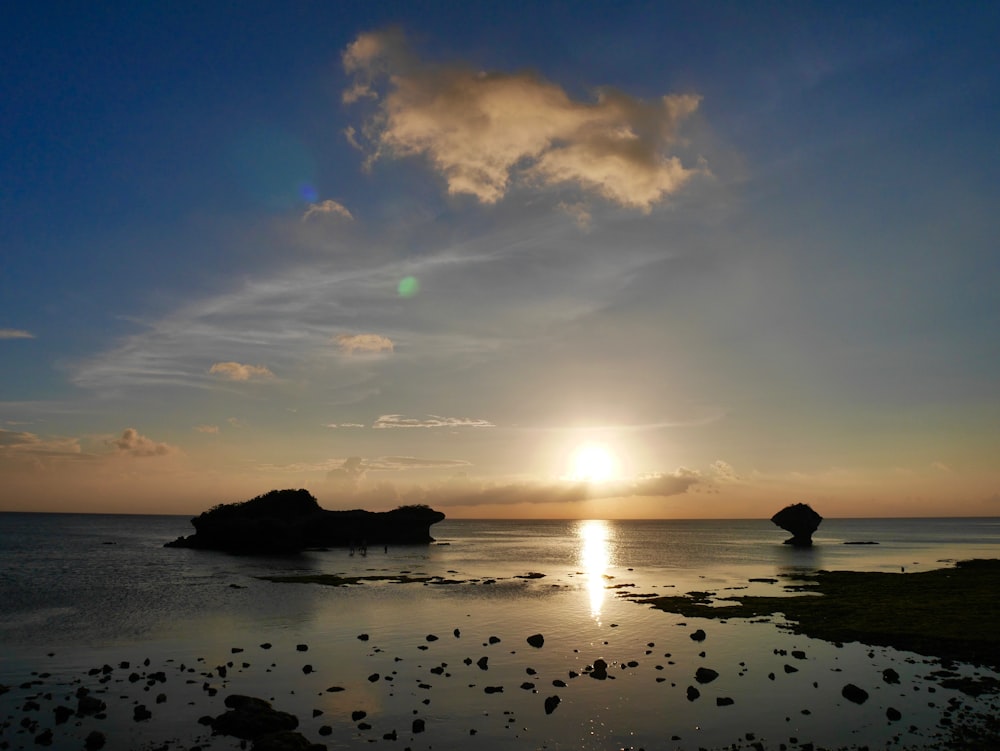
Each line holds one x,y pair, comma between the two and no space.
78,592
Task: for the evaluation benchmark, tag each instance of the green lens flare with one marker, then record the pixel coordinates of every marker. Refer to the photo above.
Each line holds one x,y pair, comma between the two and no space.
408,286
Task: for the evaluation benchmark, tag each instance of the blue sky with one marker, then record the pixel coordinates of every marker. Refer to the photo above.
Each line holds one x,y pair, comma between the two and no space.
727,256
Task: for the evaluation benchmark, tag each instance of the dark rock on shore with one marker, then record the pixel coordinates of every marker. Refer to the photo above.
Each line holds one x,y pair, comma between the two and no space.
250,718
801,521
289,521
854,694
705,675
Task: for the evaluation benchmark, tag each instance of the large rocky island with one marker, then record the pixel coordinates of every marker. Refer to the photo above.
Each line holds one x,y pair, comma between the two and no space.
289,521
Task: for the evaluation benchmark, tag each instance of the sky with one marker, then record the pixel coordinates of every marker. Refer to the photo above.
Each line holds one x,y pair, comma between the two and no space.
548,259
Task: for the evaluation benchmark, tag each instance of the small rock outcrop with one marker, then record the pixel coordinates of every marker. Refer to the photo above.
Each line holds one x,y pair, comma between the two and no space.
289,521
251,718
801,521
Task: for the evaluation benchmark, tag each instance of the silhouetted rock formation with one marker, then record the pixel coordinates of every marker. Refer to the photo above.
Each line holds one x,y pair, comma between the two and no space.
801,521
288,521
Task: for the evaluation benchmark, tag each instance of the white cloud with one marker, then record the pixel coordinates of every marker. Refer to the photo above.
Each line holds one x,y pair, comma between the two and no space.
326,208
335,425
207,428
430,421
483,130
235,371
134,444
351,344
15,334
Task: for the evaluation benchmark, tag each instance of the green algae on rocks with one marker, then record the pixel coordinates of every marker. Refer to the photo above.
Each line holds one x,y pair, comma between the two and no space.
950,613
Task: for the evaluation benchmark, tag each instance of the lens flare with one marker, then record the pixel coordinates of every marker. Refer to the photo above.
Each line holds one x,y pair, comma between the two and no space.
408,286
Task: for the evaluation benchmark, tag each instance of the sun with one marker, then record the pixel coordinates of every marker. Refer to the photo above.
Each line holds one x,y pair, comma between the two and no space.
593,462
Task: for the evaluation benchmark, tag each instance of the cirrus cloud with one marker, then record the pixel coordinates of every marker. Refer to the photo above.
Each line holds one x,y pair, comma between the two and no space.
15,334
482,130
235,371
430,421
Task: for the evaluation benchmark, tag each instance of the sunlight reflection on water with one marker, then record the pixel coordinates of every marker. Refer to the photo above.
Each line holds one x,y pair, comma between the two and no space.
595,556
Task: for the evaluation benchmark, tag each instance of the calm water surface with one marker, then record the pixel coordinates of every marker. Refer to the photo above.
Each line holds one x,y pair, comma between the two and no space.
82,591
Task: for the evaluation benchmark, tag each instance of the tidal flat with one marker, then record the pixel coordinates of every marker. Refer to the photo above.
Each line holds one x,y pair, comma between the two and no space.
505,636
505,663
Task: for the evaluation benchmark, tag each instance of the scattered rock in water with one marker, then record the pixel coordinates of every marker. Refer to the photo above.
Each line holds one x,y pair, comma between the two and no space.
692,693
266,645
890,676
494,640
791,669
363,637
431,637
705,675
44,738
140,713
698,635
62,714
334,689
723,701
307,669
358,714
482,662
302,647
493,689
457,632
536,640
251,718
94,741
286,741
418,725
854,694
528,686
559,683
551,702
600,671
89,705
373,677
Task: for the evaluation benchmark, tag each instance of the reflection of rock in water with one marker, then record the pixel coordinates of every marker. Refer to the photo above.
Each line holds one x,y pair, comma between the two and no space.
801,521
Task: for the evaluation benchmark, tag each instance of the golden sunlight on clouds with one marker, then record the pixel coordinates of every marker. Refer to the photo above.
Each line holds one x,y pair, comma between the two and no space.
134,444
481,130
326,208
352,344
235,371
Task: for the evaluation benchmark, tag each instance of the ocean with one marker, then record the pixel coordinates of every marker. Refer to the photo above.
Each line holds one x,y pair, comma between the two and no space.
82,596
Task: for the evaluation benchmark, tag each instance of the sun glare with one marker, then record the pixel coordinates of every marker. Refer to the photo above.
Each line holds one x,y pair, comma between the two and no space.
593,462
